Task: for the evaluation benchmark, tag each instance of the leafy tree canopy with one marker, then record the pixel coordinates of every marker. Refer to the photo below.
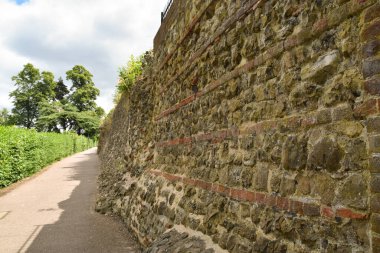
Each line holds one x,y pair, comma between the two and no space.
32,87
61,90
4,117
56,117
45,104
84,92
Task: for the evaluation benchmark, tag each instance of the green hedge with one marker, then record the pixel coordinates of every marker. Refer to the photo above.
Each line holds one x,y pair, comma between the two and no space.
24,152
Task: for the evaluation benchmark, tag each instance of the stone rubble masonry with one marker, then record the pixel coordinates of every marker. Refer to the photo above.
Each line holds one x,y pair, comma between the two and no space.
370,36
294,123
289,43
249,6
301,207
255,127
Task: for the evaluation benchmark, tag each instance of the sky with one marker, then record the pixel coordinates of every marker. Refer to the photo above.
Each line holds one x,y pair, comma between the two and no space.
56,35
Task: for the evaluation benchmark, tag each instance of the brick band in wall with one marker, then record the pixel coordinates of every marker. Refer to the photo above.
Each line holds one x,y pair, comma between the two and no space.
242,12
291,123
188,31
335,17
293,206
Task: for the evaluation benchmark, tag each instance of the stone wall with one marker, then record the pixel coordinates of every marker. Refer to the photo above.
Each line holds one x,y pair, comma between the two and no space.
255,128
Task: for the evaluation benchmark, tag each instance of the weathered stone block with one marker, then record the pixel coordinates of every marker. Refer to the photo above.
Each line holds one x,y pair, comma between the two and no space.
324,116
342,112
287,186
234,175
371,48
275,182
326,154
353,192
375,222
375,203
371,68
245,230
372,13
304,184
375,183
373,125
375,243
223,240
366,108
356,153
294,153
374,163
305,95
372,31
324,186
322,68
243,246
335,16
261,177
374,144
349,128
262,244
372,86
336,92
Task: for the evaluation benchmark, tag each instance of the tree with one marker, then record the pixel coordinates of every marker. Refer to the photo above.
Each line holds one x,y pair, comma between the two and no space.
75,111
41,102
100,112
4,117
26,97
47,122
46,86
84,92
57,117
32,88
60,90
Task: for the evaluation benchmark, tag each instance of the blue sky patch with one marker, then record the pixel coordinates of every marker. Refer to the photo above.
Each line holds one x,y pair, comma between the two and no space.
20,2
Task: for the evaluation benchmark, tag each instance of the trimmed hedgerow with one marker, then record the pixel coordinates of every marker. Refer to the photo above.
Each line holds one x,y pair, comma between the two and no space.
23,152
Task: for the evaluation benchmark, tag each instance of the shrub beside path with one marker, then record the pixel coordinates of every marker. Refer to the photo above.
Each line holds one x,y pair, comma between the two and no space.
54,212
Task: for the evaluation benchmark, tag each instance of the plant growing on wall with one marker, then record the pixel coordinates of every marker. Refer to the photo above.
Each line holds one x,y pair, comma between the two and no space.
128,75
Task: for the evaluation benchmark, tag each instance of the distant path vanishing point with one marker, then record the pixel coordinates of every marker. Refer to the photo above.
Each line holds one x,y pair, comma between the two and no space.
54,212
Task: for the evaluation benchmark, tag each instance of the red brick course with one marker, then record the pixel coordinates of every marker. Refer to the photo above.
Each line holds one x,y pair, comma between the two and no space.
291,123
292,41
187,32
299,207
327,212
248,7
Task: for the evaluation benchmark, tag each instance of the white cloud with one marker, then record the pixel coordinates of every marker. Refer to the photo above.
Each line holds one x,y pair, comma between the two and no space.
56,35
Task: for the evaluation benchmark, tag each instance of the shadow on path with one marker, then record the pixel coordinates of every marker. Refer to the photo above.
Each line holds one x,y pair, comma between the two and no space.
80,228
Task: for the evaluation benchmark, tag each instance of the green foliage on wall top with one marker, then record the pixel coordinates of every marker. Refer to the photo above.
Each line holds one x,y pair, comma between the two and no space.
128,75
